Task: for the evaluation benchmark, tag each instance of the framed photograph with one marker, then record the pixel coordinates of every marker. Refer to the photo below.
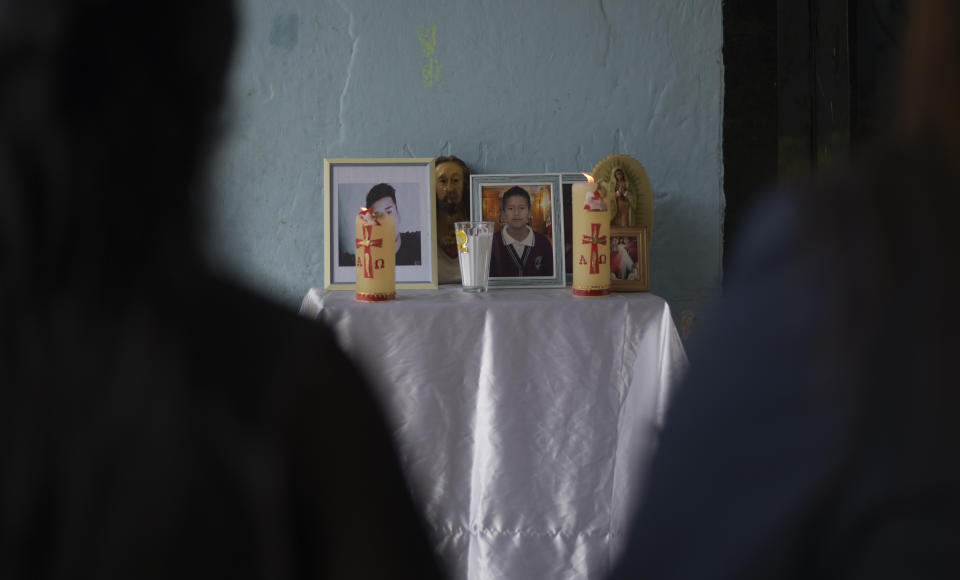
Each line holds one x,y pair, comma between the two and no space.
402,188
567,180
629,259
527,212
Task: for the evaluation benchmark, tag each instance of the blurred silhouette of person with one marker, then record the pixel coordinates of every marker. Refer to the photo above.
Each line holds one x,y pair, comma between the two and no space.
818,432
157,421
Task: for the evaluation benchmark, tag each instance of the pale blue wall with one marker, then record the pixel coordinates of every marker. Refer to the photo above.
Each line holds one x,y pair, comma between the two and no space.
520,86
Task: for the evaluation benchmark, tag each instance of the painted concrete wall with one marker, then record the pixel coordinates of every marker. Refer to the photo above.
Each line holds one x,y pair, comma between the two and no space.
510,86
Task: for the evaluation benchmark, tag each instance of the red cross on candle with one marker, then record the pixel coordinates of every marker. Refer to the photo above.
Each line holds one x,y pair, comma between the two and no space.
595,240
366,243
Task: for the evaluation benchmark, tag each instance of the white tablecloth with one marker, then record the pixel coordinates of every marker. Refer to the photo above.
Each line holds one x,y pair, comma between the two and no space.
524,417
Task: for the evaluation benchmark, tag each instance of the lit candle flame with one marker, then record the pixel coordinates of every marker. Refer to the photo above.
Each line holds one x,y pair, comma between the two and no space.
588,176
368,216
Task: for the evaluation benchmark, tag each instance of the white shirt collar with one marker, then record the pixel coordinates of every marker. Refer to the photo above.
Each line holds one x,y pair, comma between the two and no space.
518,244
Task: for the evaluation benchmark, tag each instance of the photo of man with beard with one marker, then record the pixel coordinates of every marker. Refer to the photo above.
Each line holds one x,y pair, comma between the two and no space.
452,206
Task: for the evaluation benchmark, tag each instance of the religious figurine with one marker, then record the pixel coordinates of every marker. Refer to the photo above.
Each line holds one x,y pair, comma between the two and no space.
625,185
624,215
453,206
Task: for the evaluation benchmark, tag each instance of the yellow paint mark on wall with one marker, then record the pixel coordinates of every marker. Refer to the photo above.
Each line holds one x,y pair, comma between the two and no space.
430,71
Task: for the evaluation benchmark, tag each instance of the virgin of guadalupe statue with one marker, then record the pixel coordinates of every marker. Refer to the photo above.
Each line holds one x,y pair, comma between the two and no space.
625,202
626,187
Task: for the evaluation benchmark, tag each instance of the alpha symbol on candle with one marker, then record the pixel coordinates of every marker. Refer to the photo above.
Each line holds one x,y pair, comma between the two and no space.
595,240
366,243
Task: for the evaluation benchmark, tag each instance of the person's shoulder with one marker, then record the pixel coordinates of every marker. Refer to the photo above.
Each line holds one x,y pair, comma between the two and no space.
771,239
236,318
767,270
411,236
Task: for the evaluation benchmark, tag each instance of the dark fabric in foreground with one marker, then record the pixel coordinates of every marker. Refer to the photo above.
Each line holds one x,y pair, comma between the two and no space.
157,421
816,435
205,434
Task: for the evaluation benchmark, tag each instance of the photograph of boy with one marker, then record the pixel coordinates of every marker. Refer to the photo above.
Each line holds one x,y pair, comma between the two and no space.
382,197
518,250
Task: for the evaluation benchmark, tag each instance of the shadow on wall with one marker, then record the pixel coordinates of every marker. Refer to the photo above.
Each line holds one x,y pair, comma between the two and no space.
676,264
688,324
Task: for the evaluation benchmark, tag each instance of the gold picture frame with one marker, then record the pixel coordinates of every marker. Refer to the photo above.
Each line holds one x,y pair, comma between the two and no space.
346,183
629,259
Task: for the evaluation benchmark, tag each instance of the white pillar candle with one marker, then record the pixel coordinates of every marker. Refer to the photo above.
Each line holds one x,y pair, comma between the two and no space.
376,257
591,241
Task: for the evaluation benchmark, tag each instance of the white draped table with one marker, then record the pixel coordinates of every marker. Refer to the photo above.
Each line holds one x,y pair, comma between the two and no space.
524,417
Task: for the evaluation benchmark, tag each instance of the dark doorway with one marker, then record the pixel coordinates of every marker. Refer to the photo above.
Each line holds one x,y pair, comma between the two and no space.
749,108
806,83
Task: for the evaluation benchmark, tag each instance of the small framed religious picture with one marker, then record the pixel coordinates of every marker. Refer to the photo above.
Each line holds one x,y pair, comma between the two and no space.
629,259
401,188
527,212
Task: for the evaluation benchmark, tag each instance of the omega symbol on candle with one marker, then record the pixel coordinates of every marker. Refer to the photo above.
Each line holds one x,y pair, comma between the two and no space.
602,260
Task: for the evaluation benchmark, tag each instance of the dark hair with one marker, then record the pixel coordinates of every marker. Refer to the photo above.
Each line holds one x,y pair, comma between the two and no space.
107,111
380,191
515,191
107,115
